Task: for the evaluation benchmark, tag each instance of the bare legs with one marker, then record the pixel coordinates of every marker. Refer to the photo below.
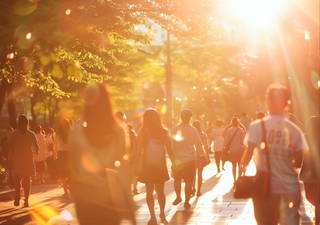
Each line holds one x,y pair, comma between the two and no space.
159,187
134,184
26,184
199,182
177,189
40,177
234,170
217,156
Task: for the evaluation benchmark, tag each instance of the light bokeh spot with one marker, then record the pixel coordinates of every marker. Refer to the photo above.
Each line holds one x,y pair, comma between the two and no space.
66,215
290,205
68,12
117,163
262,145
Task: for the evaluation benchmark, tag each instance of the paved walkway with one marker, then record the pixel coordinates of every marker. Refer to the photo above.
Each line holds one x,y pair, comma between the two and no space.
215,206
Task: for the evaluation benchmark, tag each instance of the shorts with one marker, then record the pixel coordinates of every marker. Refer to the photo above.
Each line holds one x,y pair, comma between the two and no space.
186,171
282,208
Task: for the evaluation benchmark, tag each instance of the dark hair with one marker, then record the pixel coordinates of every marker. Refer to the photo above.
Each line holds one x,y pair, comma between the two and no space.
236,115
218,123
152,122
64,129
209,127
98,115
197,125
37,128
49,130
186,114
278,96
235,121
260,115
23,122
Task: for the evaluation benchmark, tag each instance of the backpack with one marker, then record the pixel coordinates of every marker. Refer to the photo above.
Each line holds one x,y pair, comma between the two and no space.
155,151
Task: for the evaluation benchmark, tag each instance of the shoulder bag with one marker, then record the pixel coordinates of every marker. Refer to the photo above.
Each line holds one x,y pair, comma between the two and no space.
225,155
257,186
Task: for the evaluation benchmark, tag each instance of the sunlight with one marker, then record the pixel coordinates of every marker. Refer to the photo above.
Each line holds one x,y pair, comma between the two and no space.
258,12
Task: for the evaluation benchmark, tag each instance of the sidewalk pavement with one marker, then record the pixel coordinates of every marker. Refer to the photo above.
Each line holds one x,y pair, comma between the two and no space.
215,206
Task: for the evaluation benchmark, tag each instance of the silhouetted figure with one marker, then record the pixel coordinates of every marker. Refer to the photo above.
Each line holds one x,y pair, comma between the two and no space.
61,153
98,154
52,164
153,137
42,156
24,144
133,153
260,115
216,136
285,144
235,146
310,170
185,140
199,165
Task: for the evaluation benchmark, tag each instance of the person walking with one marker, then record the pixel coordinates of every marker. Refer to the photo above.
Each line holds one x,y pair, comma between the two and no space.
61,153
224,134
199,161
285,145
244,120
185,139
52,164
310,169
152,137
133,153
98,152
234,139
216,136
23,144
42,156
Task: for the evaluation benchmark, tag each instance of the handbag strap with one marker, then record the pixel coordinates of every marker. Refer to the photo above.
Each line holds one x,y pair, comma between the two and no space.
233,136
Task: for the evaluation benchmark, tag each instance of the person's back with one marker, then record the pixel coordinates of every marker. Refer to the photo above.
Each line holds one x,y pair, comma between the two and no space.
284,137
42,148
184,139
236,144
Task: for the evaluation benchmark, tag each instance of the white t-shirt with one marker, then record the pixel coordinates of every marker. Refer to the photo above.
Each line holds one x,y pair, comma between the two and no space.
283,138
216,136
184,141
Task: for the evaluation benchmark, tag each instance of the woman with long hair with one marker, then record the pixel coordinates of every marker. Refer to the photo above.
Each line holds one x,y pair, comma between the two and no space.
153,175
200,166
52,164
61,153
23,143
40,159
234,139
98,162
310,170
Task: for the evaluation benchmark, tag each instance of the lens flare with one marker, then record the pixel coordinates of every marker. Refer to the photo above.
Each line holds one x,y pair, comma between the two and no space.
315,79
178,136
85,124
117,163
262,145
24,7
68,12
125,157
290,205
10,55
90,163
177,162
164,109
66,215
28,36
307,36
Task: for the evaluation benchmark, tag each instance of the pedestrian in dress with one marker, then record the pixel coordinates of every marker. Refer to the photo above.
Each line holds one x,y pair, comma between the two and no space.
98,152
24,144
199,162
61,153
133,153
185,142
234,139
285,145
156,174
310,170
216,136
52,164
42,156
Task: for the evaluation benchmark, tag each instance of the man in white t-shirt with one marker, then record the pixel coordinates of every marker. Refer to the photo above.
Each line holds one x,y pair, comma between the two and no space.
185,139
285,144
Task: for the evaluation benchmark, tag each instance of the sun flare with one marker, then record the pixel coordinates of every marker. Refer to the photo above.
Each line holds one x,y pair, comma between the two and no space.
258,12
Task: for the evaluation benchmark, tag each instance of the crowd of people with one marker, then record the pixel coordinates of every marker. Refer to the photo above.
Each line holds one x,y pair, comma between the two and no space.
100,159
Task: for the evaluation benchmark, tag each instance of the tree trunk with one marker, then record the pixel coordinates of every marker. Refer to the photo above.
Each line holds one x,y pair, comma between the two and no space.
3,90
33,102
11,106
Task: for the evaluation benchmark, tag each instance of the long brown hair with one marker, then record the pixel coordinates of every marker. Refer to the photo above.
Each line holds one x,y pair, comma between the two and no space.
152,122
98,115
